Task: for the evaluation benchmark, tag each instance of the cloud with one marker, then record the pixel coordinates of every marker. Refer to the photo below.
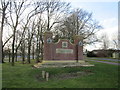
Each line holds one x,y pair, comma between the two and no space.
92,0
110,27
109,23
112,33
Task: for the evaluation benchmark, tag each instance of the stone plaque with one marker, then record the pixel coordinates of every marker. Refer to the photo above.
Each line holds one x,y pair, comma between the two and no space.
64,51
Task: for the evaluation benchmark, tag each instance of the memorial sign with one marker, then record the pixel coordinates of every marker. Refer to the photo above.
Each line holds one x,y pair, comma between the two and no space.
64,51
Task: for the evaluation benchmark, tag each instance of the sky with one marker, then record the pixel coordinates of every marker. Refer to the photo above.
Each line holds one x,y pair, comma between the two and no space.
106,12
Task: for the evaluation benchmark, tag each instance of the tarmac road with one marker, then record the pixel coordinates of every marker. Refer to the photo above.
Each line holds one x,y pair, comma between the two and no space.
98,60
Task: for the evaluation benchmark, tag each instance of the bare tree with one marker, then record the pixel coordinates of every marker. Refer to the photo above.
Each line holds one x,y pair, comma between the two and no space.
54,11
4,5
31,32
40,29
26,26
50,14
6,41
39,35
79,22
33,48
115,40
105,41
16,9
23,48
9,51
119,39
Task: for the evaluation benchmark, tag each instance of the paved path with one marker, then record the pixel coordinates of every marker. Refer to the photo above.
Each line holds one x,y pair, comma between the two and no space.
105,62
106,59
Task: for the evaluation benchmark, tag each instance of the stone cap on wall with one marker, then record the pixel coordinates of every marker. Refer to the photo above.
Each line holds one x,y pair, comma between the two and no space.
78,37
63,40
48,33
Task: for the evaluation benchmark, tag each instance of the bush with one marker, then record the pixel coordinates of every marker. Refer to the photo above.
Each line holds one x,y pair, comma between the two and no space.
91,54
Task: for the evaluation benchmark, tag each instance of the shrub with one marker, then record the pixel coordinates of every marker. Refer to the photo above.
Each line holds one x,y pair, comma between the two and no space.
91,54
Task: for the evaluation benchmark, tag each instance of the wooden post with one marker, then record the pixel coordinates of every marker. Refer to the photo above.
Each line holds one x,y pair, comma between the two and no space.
43,74
47,76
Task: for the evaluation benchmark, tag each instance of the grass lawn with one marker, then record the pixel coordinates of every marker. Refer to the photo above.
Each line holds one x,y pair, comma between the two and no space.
23,76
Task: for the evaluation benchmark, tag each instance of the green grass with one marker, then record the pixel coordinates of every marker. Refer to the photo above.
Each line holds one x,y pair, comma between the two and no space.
23,76
0,75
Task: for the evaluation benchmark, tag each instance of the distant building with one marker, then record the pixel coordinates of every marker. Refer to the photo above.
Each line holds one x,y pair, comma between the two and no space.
106,53
116,55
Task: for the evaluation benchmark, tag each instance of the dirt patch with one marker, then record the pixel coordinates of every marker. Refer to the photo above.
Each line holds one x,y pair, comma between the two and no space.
65,75
70,75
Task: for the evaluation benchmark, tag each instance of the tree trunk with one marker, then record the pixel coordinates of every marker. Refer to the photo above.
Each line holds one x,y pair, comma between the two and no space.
16,56
42,49
48,16
12,54
77,53
37,52
13,45
23,53
9,56
23,56
2,54
33,52
1,34
28,57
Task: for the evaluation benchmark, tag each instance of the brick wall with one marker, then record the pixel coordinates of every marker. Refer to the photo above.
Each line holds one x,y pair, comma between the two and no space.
63,49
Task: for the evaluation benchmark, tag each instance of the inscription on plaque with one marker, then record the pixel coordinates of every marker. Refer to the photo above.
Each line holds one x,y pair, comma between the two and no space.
65,51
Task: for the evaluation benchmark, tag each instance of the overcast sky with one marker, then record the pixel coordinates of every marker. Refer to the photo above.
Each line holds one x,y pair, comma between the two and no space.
106,12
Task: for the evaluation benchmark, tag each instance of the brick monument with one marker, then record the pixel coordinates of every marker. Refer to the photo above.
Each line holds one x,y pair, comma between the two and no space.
63,49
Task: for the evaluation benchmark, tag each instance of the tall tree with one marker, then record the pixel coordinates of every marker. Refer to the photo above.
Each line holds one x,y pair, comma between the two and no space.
23,48
16,10
54,11
31,32
115,40
4,5
29,29
39,36
79,22
105,41
50,13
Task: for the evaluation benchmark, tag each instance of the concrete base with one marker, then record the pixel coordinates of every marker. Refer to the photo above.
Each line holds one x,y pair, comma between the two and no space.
69,63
